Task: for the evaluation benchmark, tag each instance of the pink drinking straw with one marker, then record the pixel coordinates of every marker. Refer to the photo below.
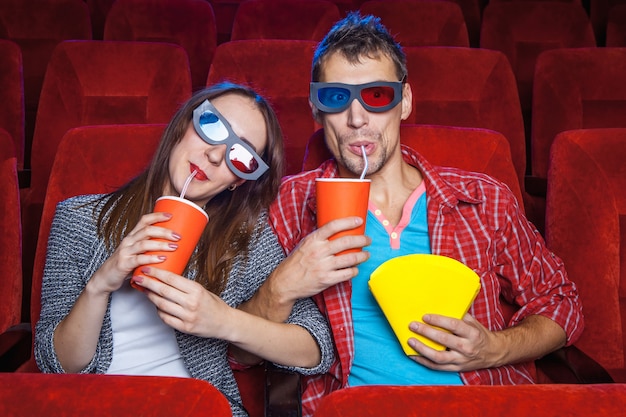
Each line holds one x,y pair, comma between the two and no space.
189,178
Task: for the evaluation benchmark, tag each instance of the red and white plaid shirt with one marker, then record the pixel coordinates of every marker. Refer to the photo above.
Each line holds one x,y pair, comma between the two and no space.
472,218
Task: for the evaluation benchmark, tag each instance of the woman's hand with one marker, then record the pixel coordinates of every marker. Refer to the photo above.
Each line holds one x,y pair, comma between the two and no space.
186,305
131,253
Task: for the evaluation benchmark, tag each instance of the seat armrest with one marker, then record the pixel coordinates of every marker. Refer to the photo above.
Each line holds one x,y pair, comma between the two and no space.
570,365
283,395
15,347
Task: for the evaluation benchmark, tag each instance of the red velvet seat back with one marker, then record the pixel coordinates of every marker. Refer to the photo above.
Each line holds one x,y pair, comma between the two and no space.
586,227
91,159
37,26
478,150
421,23
616,26
472,13
105,82
284,19
577,88
467,87
12,103
60,395
523,29
188,23
10,237
476,401
279,70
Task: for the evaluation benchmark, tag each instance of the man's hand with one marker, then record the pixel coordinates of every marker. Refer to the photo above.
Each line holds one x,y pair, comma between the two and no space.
471,346
309,269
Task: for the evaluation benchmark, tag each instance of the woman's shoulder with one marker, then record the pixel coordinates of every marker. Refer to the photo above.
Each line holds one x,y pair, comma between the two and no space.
80,207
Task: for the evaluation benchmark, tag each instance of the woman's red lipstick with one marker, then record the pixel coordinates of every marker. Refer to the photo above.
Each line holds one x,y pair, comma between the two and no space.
200,175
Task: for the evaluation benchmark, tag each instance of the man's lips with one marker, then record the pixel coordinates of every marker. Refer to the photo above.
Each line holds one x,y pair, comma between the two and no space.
200,175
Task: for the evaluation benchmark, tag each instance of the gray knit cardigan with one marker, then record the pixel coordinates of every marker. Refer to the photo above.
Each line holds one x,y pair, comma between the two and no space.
75,252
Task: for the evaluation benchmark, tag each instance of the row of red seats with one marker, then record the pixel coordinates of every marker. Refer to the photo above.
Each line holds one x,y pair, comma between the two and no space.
30,395
521,30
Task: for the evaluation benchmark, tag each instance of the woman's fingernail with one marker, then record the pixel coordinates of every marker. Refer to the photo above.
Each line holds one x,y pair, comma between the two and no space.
138,279
173,245
145,270
162,258
176,236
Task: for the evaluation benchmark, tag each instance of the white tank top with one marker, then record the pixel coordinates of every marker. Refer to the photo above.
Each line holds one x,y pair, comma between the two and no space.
142,343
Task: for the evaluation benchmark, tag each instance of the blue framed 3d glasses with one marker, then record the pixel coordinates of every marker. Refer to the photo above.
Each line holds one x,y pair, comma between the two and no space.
377,97
214,129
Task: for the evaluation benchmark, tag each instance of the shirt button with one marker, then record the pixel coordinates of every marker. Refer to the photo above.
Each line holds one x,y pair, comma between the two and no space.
378,212
385,222
394,235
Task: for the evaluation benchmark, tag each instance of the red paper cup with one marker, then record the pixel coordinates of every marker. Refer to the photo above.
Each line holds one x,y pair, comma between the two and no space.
342,197
189,221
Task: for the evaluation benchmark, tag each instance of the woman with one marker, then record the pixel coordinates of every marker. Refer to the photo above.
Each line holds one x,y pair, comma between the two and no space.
93,321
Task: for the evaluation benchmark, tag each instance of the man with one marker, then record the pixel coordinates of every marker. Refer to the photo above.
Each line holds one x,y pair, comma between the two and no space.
414,208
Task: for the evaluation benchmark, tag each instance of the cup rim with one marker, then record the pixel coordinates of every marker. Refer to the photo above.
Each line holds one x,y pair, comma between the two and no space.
340,179
185,201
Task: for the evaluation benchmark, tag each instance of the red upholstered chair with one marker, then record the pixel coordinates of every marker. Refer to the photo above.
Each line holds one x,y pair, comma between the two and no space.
479,150
467,87
523,29
284,19
476,401
421,23
59,395
575,89
616,26
101,82
586,227
10,238
15,340
280,71
89,159
37,26
188,23
12,103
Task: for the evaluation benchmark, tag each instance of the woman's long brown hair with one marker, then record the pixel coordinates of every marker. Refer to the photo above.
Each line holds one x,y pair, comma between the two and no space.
232,214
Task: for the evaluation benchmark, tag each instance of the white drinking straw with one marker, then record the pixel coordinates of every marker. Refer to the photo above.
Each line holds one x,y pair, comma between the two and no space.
189,178
365,159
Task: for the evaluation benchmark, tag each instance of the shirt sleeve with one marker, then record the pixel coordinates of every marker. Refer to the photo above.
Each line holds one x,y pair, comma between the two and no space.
538,281
67,269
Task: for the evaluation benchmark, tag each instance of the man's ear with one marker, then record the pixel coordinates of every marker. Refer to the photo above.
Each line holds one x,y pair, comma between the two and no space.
315,112
407,101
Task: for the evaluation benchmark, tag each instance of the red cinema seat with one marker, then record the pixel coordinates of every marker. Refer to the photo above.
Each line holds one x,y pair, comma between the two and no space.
12,103
37,26
89,160
476,401
586,227
280,71
524,29
60,395
467,87
284,19
421,23
473,149
188,23
616,26
10,238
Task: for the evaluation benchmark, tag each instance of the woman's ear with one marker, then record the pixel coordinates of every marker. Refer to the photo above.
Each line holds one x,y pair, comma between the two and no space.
407,101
